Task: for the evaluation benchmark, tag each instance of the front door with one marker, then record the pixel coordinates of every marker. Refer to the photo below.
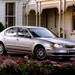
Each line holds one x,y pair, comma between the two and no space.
24,43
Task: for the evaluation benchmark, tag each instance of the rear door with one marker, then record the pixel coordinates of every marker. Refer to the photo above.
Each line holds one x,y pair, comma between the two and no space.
10,39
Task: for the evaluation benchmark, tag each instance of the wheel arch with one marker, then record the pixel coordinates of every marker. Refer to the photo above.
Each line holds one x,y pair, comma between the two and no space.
38,45
1,42
4,51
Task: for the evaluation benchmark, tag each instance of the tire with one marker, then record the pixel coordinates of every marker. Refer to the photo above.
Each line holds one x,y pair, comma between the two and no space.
2,49
40,53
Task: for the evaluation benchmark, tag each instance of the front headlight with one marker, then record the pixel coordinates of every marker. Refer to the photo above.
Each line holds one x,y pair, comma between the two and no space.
57,46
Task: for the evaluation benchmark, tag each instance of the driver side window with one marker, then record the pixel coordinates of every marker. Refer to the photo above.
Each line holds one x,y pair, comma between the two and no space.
23,32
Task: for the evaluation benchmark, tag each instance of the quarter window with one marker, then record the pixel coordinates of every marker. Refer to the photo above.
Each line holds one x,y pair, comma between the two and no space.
11,32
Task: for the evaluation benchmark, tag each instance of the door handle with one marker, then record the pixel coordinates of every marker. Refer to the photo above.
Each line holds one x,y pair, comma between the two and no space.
3,38
17,39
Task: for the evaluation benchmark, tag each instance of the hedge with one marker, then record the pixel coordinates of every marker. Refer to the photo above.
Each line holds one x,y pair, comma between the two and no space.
34,67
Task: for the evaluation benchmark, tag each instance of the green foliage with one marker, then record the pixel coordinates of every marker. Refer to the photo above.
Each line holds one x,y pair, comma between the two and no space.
68,69
41,68
1,27
2,70
44,69
10,70
22,69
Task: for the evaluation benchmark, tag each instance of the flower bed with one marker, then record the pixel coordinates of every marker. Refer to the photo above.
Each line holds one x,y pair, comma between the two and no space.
25,66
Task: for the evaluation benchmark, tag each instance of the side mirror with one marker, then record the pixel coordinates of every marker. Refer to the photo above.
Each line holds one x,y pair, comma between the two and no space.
27,36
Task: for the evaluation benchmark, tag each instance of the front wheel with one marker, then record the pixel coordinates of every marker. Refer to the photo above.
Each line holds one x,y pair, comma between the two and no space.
40,53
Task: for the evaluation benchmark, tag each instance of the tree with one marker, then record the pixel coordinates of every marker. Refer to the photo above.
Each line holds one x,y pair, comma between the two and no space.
1,27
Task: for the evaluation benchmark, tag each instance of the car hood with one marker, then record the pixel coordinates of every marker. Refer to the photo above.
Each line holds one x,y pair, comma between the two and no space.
59,41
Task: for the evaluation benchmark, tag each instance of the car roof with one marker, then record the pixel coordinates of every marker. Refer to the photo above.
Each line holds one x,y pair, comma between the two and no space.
19,26
28,26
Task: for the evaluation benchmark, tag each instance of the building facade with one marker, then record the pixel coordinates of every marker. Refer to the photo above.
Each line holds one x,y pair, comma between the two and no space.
56,15
11,12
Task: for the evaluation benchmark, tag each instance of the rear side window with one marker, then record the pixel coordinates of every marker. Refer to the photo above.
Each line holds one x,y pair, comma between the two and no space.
11,32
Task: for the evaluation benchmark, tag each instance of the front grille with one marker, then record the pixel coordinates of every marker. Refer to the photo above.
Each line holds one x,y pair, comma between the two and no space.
72,51
69,46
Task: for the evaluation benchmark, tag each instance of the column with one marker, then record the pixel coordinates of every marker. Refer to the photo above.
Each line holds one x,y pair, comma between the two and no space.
36,19
16,14
27,13
63,24
23,16
64,6
23,22
39,13
36,13
27,19
39,19
59,17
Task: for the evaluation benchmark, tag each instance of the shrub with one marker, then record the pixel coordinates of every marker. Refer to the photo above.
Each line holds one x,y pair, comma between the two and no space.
1,27
34,67
2,70
8,66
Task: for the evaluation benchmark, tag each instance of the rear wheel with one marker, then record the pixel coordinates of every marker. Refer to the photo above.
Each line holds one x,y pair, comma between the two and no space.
2,49
40,53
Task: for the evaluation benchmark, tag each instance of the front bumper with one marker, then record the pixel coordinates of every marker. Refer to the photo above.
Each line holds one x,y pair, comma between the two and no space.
61,52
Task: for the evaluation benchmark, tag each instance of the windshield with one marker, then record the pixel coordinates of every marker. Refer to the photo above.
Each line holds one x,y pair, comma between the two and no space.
41,32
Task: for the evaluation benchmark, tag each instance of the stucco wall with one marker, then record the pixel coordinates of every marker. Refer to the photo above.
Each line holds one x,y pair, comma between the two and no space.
68,24
19,11
2,12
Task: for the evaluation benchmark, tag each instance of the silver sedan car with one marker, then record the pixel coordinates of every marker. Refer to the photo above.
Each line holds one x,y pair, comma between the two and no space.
37,41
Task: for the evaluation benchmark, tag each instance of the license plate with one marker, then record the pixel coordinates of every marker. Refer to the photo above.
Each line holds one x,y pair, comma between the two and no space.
71,51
